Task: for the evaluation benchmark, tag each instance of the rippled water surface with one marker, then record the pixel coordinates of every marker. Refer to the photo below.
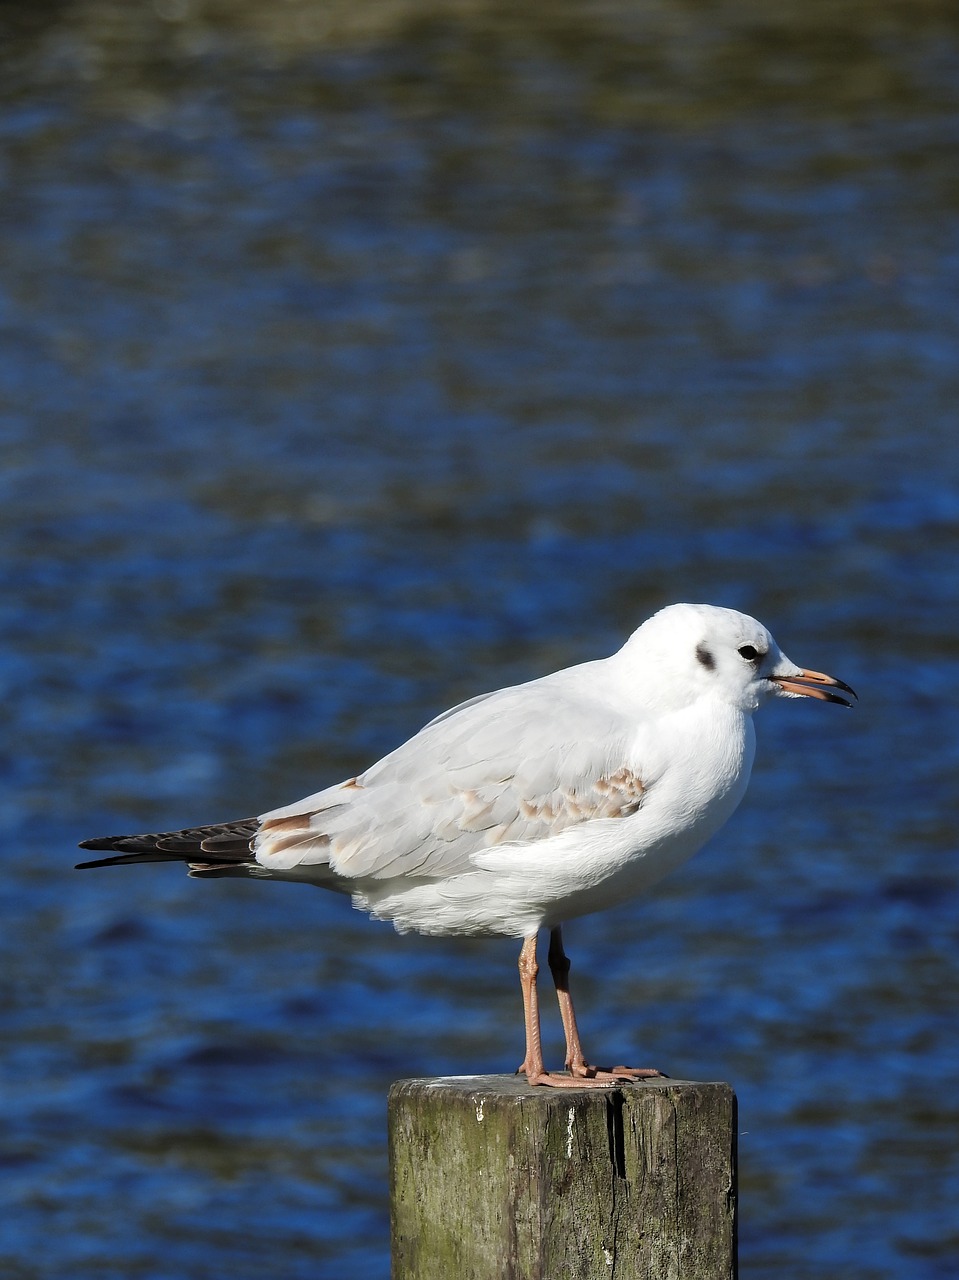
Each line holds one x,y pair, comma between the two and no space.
355,360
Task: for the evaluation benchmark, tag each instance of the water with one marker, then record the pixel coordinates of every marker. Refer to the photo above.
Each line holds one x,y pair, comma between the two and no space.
354,363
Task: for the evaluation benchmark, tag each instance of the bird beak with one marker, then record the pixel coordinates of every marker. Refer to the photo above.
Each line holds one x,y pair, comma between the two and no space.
808,684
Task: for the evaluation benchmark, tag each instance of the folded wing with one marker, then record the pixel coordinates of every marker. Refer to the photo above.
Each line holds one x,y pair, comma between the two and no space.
518,766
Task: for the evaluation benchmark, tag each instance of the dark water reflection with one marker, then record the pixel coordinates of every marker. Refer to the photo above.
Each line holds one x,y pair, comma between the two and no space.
354,360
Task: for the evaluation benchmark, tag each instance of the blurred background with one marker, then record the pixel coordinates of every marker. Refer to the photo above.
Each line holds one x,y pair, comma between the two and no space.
357,358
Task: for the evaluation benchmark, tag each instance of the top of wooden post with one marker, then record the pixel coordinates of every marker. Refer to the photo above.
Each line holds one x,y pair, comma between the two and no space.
493,1179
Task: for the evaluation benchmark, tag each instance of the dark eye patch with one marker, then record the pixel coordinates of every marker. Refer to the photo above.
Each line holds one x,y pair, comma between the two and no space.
705,658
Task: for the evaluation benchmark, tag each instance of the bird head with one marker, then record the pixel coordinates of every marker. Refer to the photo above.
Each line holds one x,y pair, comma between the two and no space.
689,651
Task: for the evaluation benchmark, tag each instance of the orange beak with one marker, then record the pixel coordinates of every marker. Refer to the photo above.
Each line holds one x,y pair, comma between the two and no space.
807,684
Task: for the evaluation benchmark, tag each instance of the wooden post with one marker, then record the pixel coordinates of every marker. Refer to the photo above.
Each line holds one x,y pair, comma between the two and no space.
493,1180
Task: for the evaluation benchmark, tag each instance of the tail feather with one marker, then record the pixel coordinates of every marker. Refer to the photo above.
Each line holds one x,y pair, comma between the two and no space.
226,844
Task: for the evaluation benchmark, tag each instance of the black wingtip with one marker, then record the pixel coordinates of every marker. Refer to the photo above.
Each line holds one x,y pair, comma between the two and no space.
99,862
124,859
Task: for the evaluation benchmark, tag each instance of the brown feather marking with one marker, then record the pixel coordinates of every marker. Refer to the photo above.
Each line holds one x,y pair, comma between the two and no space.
279,834
298,822
616,795
296,840
623,792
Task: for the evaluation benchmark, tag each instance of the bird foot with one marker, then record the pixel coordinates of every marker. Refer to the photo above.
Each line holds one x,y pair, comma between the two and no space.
622,1073
584,1076
615,1073
559,1080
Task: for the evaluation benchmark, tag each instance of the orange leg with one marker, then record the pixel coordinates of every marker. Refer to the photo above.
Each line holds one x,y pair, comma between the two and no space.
559,967
533,1066
575,1058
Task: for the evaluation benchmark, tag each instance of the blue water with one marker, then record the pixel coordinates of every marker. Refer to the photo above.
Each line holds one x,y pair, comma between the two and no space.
353,364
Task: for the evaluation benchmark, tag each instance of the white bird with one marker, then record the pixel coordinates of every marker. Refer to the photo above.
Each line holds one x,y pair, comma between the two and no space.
523,808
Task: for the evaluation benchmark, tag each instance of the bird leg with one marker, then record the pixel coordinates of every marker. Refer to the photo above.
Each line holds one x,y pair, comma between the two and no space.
559,967
533,1066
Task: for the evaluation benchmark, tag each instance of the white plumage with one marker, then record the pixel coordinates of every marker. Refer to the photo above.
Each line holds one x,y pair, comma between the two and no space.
529,806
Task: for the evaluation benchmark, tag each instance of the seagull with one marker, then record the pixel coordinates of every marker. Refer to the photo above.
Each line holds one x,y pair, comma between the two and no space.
526,807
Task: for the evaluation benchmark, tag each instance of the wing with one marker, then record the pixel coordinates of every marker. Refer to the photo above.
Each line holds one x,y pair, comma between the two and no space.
218,848
518,766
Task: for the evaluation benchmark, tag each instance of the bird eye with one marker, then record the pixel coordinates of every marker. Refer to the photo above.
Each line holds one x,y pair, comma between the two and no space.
749,653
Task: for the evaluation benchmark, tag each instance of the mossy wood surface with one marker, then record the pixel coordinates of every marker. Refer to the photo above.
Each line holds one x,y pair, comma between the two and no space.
493,1180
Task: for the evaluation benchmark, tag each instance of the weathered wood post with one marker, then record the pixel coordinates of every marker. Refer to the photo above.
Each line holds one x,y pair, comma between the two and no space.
493,1180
